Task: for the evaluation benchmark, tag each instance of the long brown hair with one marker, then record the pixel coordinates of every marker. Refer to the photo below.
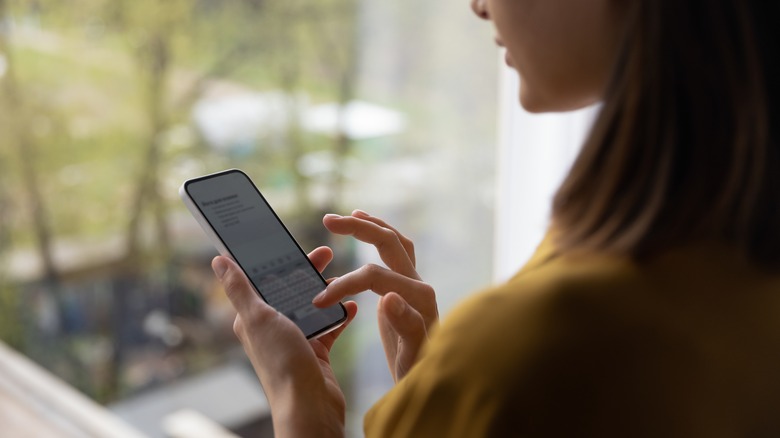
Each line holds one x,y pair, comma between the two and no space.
685,147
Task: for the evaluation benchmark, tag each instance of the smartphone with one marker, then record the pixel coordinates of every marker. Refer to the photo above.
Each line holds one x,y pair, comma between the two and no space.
242,225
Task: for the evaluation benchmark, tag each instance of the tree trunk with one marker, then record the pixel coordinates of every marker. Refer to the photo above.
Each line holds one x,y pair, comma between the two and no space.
19,136
155,62
146,199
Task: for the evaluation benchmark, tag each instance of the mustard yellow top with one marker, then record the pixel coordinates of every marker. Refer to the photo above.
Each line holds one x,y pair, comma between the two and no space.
684,345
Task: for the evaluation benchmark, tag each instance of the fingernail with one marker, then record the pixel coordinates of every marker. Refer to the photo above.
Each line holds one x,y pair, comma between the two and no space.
333,216
219,266
318,299
395,306
360,213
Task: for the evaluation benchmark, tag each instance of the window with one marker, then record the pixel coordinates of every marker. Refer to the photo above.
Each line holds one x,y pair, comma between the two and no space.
106,106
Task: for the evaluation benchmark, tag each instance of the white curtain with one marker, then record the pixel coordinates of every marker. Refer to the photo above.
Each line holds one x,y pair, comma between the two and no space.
534,154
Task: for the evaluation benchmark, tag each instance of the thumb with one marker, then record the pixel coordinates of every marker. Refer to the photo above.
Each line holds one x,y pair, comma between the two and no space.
237,287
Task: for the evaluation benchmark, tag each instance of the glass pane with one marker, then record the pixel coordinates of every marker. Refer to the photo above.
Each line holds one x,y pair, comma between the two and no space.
106,106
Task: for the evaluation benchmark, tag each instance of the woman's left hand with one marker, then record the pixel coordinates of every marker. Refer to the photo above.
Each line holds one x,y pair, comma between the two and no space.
296,375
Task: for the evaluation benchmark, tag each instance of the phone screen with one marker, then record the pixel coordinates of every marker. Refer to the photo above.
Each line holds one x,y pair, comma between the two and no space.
263,247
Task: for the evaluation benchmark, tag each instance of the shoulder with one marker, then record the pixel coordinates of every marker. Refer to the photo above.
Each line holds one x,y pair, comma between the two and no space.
561,308
538,347
562,292
584,310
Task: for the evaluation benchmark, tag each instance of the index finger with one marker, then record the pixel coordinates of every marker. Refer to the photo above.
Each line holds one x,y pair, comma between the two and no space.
381,281
405,241
386,241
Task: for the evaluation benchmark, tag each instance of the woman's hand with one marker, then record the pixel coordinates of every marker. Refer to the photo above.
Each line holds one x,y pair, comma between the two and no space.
407,309
296,375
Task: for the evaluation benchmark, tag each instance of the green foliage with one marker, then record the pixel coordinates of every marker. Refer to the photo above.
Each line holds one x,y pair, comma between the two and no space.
85,73
95,120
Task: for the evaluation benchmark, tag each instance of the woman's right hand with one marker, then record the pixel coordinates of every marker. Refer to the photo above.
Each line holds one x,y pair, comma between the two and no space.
407,309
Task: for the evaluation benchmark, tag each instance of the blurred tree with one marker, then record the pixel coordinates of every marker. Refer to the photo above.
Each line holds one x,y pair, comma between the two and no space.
176,50
18,137
150,26
283,36
342,38
20,110
11,328
294,40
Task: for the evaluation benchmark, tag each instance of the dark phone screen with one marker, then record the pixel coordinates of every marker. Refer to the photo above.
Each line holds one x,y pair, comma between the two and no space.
265,250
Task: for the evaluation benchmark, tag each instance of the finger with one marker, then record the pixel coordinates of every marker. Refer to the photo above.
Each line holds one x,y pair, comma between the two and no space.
405,241
386,241
321,257
380,280
389,339
237,288
327,340
409,325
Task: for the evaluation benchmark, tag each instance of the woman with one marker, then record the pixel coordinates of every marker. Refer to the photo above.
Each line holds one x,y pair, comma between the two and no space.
652,308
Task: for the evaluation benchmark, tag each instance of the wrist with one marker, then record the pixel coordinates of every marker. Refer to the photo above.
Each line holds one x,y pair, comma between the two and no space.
304,411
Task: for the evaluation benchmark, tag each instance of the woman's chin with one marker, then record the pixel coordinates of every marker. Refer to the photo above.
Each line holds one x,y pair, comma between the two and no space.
535,102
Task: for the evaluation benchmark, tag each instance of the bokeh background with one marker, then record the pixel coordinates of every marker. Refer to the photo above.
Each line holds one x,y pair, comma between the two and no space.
106,106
